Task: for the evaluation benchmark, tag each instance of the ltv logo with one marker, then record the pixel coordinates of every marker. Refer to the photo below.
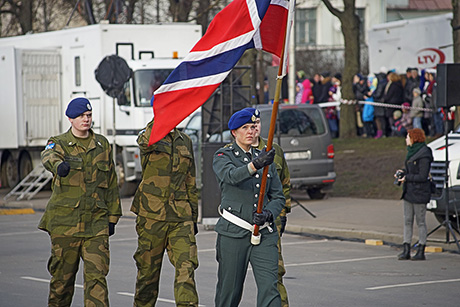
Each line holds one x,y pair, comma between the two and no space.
430,57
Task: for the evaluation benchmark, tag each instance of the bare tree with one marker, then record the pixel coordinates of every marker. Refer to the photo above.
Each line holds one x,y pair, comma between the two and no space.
20,14
180,9
350,30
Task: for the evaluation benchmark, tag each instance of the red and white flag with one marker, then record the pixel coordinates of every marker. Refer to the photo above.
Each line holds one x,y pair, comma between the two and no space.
241,25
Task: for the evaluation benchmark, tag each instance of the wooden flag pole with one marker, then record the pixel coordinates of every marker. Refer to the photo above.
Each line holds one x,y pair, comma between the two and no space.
255,239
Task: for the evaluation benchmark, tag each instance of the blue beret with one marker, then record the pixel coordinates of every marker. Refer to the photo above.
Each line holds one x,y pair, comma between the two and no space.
253,111
77,107
240,118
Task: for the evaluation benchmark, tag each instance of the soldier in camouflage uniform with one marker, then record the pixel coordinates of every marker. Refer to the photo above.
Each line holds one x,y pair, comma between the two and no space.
83,209
166,204
285,177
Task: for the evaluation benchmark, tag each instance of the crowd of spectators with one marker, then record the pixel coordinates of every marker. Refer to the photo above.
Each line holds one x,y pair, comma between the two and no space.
400,102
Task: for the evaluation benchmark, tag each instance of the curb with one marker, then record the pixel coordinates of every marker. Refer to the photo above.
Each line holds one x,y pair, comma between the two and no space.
361,236
17,211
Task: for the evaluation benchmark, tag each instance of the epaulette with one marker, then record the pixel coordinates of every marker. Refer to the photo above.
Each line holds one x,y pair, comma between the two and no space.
140,132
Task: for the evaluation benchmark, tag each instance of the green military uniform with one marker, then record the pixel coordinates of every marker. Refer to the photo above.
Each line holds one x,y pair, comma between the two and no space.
78,214
285,177
239,196
166,204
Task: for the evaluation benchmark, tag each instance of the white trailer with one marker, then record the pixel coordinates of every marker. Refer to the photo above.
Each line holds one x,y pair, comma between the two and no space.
419,42
40,73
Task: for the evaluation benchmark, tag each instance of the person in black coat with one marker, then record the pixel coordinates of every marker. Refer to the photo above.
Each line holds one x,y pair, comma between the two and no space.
416,190
393,94
379,112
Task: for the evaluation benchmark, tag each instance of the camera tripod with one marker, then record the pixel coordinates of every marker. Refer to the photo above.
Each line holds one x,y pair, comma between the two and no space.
447,223
302,206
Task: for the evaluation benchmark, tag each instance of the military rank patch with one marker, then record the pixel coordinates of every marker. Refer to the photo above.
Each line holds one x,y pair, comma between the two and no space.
50,145
220,154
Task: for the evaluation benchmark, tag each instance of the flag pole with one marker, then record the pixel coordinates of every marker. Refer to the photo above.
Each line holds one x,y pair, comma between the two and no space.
255,239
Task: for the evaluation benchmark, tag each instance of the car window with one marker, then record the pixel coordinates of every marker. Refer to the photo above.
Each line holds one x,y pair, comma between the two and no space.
296,122
194,123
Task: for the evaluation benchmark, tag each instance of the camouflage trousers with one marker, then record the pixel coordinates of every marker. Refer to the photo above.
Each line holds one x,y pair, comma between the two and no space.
178,239
281,269
63,266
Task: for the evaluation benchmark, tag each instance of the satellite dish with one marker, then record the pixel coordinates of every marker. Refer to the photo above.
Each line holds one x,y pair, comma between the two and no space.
112,73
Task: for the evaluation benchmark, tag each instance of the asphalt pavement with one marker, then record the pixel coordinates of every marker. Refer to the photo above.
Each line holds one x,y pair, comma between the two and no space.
333,217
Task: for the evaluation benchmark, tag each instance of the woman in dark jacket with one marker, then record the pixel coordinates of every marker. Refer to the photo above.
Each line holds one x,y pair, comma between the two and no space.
394,94
416,191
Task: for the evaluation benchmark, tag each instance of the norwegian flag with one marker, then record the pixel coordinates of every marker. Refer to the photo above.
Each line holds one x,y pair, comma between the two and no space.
241,25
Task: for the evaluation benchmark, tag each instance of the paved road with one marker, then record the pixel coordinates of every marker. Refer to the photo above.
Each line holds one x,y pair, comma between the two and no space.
320,272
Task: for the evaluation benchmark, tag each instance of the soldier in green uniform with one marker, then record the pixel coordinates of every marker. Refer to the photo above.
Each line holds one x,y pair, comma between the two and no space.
83,209
285,177
239,177
166,204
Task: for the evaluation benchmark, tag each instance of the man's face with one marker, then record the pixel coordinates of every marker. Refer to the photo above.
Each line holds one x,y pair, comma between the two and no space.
257,129
82,123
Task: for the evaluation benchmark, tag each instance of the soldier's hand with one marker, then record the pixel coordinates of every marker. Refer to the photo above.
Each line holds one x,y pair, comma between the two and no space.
261,218
195,228
63,169
111,229
283,224
265,158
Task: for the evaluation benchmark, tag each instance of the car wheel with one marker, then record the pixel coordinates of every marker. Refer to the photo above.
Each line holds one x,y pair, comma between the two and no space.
315,193
452,218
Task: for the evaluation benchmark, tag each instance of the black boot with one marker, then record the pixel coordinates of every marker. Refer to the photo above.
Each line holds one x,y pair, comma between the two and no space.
405,255
420,255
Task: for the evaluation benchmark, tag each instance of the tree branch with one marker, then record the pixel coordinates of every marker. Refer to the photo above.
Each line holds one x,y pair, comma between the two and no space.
332,9
210,7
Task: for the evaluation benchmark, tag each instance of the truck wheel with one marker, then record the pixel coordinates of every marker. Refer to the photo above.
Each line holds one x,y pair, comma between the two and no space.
126,188
25,165
452,218
315,193
10,173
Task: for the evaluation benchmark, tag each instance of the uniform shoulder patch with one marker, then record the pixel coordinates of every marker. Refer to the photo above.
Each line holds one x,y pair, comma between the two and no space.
220,154
50,145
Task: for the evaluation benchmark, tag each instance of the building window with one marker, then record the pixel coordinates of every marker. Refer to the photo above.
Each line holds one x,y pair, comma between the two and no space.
306,27
77,71
361,12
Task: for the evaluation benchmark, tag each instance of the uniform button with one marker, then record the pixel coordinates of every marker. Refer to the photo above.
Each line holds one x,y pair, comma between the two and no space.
257,185
229,208
257,195
257,175
268,175
245,159
255,205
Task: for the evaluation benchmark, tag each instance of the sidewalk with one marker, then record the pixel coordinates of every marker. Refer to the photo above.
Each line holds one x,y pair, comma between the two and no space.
356,218
342,218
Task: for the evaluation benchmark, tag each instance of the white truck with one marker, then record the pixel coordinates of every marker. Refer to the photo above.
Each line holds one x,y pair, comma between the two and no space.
419,42
40,73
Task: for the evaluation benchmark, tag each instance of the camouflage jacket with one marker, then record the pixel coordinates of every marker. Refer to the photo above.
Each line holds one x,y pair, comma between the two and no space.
84,202
240,189
167,191
283,173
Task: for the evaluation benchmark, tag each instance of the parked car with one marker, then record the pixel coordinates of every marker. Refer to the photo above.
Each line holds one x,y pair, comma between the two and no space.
446,199
303,133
